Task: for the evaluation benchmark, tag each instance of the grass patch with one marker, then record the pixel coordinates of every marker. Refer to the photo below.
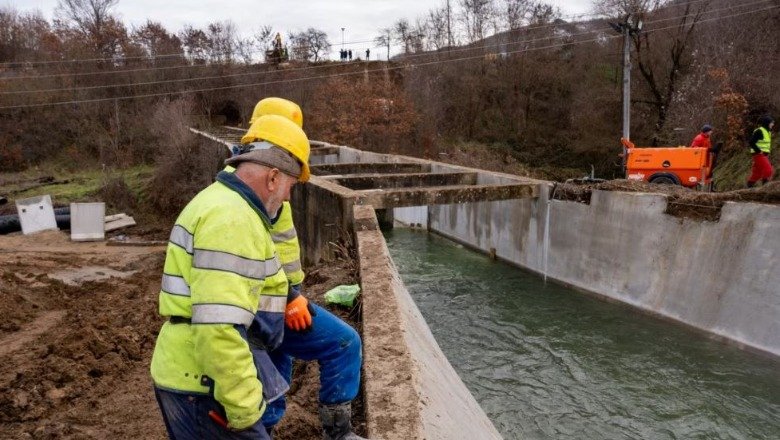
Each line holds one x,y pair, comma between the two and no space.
81,186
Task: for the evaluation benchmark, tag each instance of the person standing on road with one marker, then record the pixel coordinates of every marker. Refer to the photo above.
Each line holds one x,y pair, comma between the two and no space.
312,333
221,277
761,145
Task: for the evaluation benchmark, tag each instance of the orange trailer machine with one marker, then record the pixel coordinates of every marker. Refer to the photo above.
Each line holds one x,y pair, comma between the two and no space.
689,167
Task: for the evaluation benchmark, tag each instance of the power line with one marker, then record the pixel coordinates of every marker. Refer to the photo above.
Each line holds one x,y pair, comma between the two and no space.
142,69
411,56
343,74
130,58
186,66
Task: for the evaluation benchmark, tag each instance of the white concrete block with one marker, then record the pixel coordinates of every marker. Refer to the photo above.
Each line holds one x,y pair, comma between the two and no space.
86,221
36,214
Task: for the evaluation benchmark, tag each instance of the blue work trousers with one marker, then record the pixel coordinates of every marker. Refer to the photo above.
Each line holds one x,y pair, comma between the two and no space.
334,345
186,417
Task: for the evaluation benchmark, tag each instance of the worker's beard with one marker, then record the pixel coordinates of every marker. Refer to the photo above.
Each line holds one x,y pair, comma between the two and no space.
274,202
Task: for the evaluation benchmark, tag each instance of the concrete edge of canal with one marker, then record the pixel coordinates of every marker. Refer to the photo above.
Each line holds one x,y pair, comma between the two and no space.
411,390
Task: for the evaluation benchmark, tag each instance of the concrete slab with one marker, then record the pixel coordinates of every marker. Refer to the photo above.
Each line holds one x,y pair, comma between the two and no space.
383,181
324,151
445,195
369,167
118,221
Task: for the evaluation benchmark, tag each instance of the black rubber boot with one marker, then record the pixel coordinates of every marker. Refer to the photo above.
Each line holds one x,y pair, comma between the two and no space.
336,422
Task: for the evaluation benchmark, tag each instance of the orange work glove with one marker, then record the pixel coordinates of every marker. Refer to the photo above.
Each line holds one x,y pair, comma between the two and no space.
297,315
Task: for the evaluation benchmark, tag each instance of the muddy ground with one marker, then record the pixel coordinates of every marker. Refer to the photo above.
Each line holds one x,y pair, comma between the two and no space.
78,329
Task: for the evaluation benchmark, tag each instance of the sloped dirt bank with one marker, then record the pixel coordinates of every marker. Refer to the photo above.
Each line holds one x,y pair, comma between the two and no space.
76,353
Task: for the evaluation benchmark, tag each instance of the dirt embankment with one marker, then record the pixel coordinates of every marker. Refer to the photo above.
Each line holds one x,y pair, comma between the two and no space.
683,202
78,329
81,326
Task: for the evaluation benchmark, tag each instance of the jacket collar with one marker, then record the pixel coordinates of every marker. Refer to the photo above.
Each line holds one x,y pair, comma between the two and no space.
230,180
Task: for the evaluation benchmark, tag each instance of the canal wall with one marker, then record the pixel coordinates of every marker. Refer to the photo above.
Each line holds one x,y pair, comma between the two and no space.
719,277
411,390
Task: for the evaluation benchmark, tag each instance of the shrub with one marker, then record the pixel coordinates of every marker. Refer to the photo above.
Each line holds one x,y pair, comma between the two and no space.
185,163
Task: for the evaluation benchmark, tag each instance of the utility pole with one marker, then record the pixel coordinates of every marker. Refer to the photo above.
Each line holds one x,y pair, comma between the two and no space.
626,82
628,28
387,40
342,38
449,30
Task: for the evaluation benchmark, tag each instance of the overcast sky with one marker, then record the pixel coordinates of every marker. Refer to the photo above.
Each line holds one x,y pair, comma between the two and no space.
361,19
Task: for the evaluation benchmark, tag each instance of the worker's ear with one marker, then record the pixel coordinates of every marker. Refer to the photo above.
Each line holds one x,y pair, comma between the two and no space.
273,179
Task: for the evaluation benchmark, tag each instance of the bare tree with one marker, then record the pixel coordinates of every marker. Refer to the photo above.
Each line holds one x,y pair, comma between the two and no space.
309,45
402,32
223,39
319,46
436,27
477,16
419,35
516,13
299,46
92,18
155,40
621,8
663,59
542,13
263,36
23,36
385,39
196,44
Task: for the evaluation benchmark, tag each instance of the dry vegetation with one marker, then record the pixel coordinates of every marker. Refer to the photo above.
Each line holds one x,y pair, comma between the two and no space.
542,91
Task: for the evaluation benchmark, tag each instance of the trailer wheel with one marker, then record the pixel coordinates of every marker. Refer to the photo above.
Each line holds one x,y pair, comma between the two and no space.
664,178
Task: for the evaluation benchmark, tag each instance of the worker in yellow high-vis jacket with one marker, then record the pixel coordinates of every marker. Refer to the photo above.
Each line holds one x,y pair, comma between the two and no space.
312,332
222,277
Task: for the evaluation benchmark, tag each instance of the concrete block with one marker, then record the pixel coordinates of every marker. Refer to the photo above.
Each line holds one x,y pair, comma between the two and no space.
36,214
87,221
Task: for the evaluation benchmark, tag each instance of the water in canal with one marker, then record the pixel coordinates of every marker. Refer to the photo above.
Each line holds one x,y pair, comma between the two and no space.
548,362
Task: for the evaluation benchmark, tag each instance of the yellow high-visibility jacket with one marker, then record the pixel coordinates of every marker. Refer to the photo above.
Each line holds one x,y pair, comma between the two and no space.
286,240
765,143
221,274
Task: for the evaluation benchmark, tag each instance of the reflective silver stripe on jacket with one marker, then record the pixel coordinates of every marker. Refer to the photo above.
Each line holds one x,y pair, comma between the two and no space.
279,237
246,267
182,238
292,266
274,304
175,285
221,314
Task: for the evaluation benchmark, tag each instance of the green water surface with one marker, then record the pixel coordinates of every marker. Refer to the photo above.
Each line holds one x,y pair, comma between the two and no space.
545,361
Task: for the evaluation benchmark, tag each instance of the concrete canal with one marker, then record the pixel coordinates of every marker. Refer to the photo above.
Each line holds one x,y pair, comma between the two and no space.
548,362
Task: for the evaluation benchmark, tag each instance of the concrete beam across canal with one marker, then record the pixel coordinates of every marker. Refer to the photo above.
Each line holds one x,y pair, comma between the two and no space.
405,180
369,167
445,195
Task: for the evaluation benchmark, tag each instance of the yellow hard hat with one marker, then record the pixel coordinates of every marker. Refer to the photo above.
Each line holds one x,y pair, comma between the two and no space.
278,106
284,134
